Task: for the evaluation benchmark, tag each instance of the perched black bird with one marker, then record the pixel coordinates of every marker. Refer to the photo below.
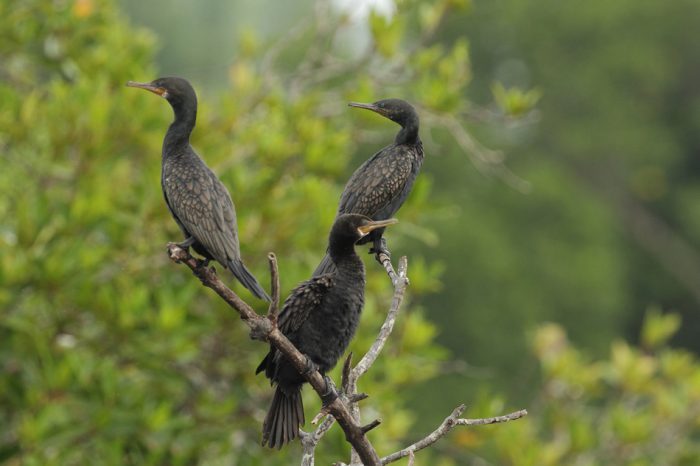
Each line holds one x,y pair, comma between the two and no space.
381,184
319,317
198,201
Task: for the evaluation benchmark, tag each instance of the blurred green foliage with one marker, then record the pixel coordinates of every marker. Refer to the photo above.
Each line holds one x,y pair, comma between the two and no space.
636,407
110,354
607,226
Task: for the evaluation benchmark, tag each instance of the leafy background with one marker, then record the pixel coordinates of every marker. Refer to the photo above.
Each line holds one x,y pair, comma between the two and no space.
553,235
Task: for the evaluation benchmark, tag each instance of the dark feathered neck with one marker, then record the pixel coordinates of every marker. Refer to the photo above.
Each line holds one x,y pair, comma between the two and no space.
178,134
409,130
343,255
340,249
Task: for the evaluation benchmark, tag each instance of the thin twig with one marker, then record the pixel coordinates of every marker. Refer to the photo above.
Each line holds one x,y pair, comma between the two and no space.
273,51
371,425
487,161
385,260
400,281
349,376
310,440
447,425
493,420
275,287
345,378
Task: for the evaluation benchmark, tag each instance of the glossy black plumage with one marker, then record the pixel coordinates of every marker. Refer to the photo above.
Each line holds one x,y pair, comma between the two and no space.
319,317
381,184
199,202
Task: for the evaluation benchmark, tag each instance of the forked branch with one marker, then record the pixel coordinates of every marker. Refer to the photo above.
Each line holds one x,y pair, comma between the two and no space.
265,329
447,425
344,409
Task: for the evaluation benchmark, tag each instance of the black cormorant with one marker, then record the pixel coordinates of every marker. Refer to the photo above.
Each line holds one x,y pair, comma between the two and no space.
198,201
319,317
381,184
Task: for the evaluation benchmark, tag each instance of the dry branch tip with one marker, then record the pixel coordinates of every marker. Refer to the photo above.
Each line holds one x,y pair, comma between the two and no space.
273,309
366,428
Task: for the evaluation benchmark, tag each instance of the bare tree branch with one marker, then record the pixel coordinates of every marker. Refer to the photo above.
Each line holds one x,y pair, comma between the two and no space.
265,329
275,287
400,283
493,420
208,277
385,260
310,440
262,328
485,160
349,378
447,425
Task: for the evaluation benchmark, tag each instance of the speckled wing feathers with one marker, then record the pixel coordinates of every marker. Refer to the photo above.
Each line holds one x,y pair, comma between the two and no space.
302,301
378,188
376,183
204,208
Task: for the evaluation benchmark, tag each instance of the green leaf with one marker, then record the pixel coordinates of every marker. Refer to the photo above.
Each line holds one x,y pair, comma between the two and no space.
658,328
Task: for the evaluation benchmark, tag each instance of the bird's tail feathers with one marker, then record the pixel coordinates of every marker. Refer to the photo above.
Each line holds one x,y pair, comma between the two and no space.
247,279
264,363
285,416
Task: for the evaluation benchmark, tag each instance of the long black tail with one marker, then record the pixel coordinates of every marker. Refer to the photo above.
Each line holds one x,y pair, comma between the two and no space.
285,416
326,266
247,279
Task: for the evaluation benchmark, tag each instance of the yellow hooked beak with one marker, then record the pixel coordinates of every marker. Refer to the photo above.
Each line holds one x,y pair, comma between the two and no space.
373,225
161,91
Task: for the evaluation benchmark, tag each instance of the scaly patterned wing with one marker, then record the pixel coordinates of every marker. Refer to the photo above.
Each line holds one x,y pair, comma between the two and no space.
227,219
376,183
194,195
302,301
